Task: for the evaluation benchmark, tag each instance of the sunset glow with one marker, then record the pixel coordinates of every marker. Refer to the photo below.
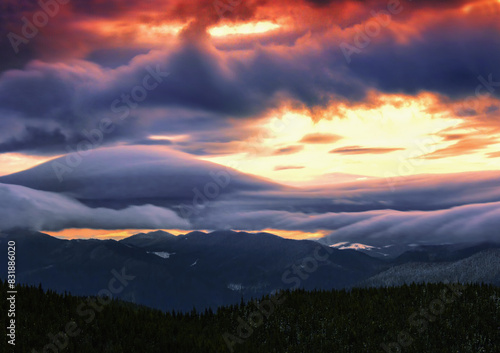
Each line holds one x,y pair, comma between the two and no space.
243,29
116,234
403,124
208,159
309,119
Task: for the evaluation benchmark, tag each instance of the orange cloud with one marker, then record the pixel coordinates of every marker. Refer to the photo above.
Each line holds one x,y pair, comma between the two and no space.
364,150
462,147
320,138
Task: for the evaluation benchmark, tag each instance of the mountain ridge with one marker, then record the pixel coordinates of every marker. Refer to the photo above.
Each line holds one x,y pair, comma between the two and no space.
200,269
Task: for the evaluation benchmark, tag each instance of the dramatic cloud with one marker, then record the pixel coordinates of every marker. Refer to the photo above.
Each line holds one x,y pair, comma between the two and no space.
157,107
224,84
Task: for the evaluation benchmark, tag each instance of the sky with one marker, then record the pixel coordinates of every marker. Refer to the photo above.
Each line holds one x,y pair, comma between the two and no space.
374,121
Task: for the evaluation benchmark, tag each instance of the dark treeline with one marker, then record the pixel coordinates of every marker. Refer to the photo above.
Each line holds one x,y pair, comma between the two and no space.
415,318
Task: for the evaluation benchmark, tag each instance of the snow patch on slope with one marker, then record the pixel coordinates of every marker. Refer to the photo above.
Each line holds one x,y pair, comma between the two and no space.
353,246
162,254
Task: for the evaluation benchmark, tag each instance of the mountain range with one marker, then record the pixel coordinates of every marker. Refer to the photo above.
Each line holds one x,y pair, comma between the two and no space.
222,267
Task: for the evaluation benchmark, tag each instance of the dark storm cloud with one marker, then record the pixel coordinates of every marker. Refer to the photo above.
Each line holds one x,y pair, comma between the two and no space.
449,60
11,13
319,3
33,139
114,57
10,60
41,91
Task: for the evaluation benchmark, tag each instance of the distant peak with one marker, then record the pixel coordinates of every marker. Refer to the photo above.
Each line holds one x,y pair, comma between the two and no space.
152,235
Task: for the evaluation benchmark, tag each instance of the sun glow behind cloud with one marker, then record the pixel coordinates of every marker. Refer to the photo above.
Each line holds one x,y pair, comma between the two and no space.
16,162
128,32
486,6
152,33
168,137
243,29
397,132
292,234
117,234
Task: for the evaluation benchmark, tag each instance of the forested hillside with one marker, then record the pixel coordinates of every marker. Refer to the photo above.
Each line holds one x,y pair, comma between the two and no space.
415,318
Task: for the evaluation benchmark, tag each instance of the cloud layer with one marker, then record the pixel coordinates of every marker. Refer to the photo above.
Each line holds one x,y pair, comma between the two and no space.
152,187
22,207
